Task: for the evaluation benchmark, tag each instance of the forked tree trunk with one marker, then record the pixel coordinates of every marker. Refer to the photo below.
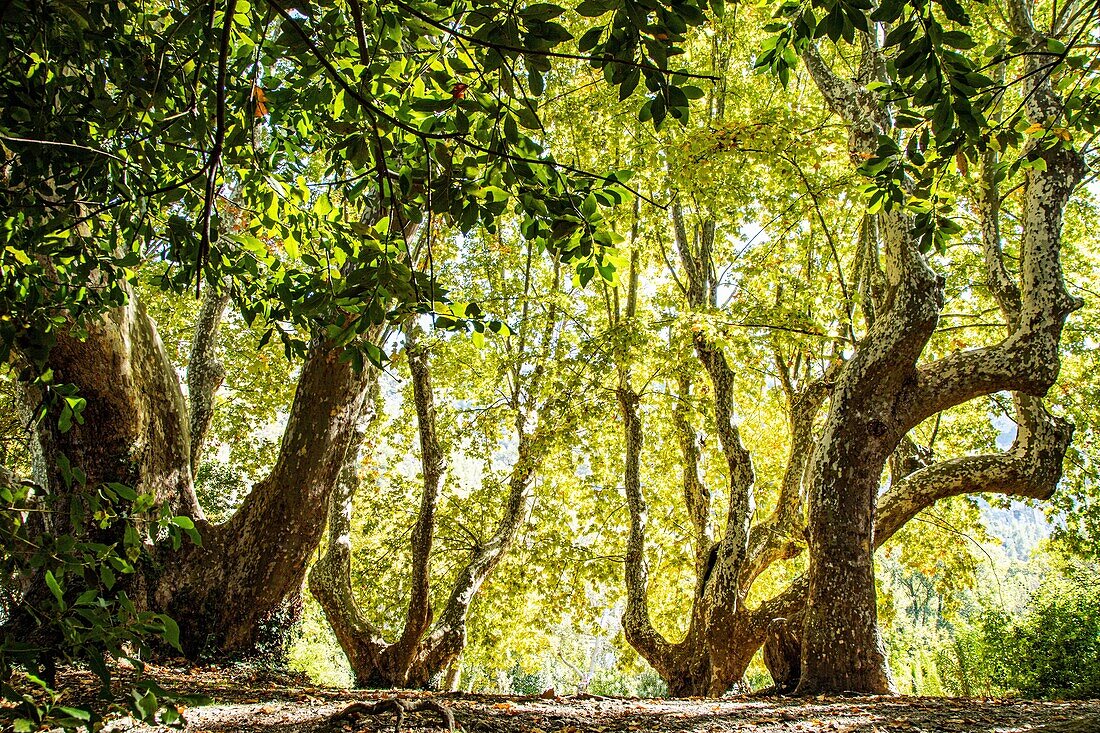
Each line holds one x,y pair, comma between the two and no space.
883,393
877,397
723,634
222,593
426,653
136,431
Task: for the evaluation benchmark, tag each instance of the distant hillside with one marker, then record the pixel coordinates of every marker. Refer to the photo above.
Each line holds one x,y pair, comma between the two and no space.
1020,527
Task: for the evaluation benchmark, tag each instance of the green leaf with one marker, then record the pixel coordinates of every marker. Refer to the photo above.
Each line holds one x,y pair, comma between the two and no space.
124,491
536,82
55,588
171,631
183,522
959,39
145,705
107,576
593,8
77,713
541,11
589,40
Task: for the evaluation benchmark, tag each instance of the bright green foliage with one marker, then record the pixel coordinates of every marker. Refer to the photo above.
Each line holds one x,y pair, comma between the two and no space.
290,147
943,72
1051,650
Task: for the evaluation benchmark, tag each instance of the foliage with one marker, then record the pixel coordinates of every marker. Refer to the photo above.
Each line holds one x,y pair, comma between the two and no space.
76,609
1053,650
313,649
220,489
289,148
941,79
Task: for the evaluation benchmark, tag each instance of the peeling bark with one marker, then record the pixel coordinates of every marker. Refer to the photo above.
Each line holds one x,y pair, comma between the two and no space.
428,650
696,493
723,634
137,431
205,371
883,392
135,426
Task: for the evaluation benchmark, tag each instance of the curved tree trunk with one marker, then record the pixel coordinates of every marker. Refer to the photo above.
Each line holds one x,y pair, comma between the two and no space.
882,393
136,431
205,371
426,653
222,592
723,634
134,428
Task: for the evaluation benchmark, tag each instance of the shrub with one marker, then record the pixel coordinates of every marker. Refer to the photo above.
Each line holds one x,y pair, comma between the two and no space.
1055,647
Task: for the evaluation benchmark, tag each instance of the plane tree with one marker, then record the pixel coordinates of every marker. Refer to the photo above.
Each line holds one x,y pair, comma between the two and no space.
516,411
1009,160
276,158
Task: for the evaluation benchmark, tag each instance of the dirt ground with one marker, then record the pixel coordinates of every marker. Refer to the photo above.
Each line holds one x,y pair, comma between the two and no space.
249,702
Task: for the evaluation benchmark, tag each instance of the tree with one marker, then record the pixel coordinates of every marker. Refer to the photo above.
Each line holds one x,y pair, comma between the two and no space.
283,155
429,643
893,369
884,391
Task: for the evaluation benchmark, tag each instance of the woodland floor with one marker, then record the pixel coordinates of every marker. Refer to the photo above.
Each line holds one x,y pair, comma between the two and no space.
249,701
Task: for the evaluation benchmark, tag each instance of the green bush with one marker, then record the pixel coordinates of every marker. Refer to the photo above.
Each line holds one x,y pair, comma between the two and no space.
1055,648
1051,650
63,600
650,684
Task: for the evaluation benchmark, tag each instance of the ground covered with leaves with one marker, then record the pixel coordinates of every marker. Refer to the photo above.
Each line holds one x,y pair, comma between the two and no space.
248,701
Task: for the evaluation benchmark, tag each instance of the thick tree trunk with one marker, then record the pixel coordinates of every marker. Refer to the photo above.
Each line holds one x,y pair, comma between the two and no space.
882,394
223,592
136,431
134,428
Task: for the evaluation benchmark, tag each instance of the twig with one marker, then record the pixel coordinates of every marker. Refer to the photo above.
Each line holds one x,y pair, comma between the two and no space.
213,162
607,58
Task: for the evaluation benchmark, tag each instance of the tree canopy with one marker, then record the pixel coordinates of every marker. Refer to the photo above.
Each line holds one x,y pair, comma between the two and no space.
667,312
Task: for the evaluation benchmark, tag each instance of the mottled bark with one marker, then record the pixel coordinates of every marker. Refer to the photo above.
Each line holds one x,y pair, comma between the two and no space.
222,592
330,581
695,491
428,649
205,371
882,393
134,429
723,634
783,653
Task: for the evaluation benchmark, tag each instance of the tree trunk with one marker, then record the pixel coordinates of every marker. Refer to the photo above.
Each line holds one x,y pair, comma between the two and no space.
205,371
223,592
882,393
723,634
136,431
425,652
134,428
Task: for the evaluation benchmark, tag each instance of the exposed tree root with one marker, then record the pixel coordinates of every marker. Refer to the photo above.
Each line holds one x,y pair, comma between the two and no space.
395,705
